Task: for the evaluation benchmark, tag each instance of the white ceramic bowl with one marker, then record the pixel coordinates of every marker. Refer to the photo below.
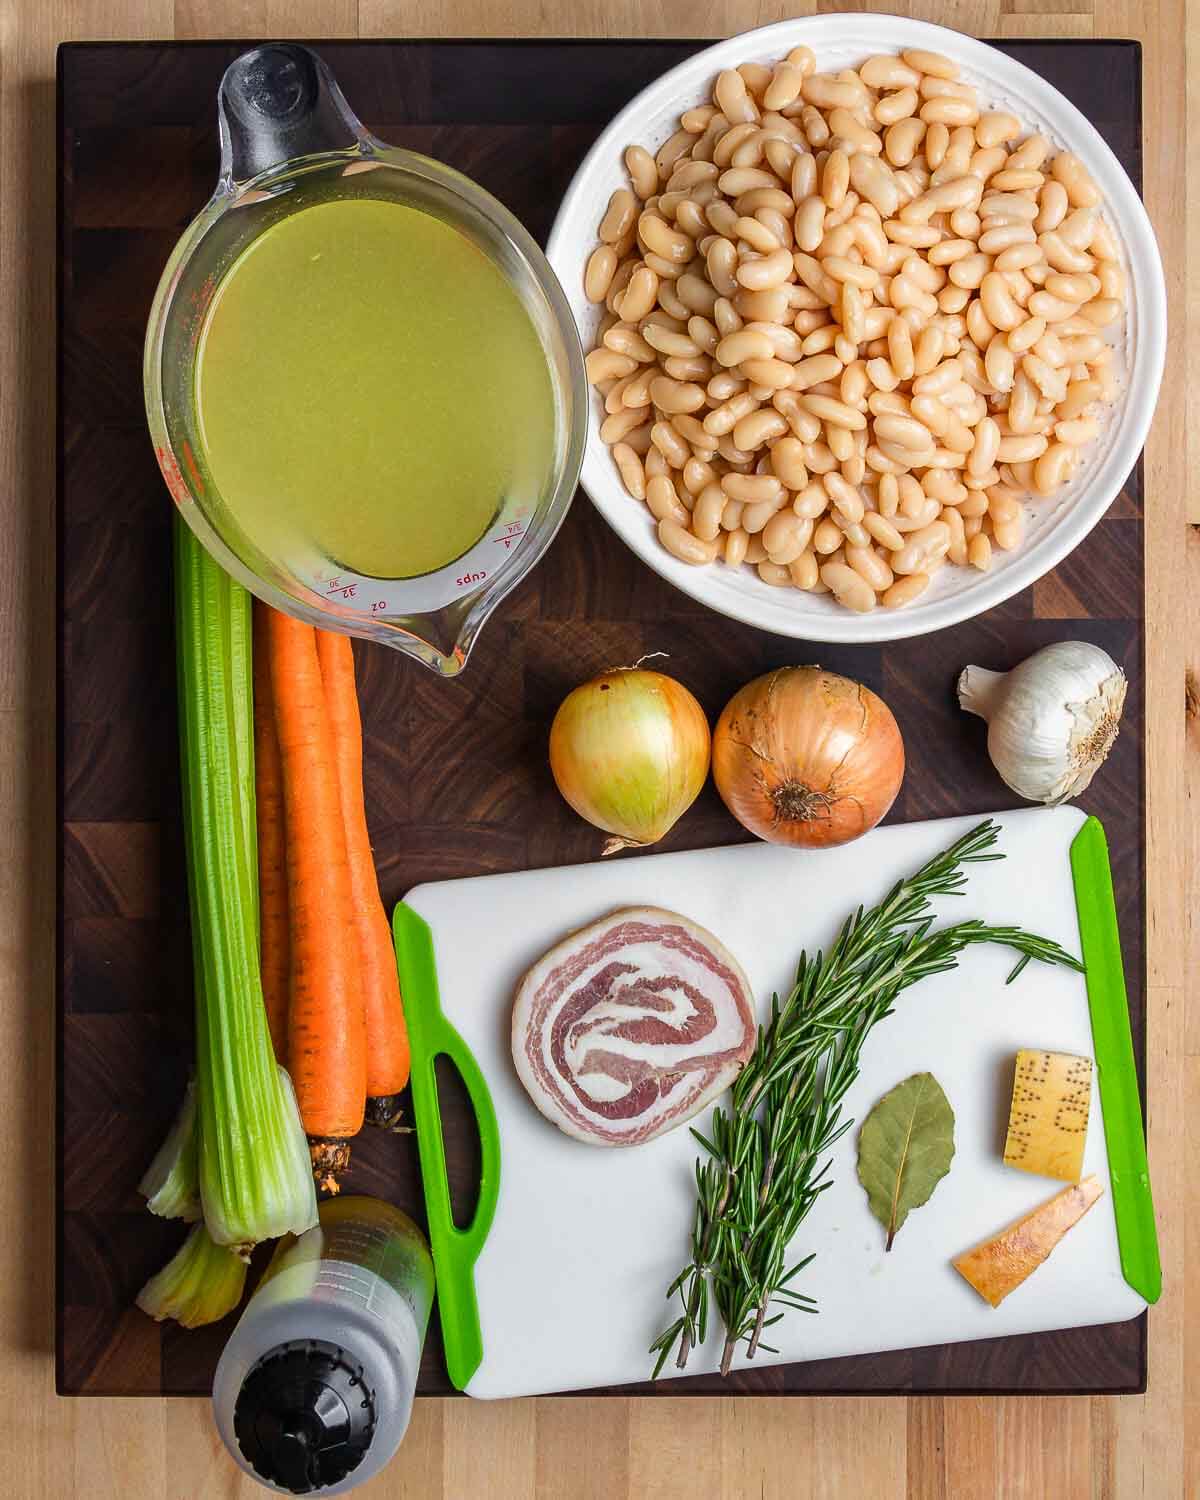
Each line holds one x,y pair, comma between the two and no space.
1053,527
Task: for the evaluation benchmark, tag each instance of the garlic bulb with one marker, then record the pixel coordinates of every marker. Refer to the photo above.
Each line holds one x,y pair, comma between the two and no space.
1052,720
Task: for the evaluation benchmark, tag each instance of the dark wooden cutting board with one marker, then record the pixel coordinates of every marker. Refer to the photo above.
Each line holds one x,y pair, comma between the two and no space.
456,774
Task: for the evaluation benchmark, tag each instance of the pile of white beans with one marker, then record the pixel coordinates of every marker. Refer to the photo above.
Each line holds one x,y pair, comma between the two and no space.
852,322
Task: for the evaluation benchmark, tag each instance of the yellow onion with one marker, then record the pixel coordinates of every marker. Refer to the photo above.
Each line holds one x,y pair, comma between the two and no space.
629,751
806,757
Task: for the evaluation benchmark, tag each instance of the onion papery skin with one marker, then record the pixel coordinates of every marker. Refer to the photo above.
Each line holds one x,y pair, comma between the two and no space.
630,751
808,758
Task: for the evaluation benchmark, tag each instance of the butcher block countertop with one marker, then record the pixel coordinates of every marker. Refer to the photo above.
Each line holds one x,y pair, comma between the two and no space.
925,1449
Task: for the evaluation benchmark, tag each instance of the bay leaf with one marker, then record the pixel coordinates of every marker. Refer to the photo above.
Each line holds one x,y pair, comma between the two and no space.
905,1148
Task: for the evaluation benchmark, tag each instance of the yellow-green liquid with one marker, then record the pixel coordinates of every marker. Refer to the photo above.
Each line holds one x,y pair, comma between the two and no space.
368,386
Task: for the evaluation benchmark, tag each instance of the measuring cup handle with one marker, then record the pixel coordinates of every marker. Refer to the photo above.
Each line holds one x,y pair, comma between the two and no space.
278,102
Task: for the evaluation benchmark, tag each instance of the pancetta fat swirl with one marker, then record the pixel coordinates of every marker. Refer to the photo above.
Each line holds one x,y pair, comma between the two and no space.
631,1026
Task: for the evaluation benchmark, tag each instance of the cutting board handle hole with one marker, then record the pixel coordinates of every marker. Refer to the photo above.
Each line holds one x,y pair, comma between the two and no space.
460,1137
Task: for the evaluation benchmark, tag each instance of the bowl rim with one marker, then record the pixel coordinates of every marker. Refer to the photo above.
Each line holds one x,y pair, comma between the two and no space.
1136,402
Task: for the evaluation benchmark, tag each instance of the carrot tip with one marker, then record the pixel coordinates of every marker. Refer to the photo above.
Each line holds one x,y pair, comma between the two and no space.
385,1113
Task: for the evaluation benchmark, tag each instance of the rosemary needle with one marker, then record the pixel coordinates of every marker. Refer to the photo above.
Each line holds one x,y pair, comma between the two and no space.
765,1159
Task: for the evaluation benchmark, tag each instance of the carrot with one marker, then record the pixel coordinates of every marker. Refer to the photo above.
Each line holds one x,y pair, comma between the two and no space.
387,1035
274,943
327,1041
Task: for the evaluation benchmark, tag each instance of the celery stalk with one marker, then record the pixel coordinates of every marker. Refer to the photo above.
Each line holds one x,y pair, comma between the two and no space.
171,1184
254,1167
201,1283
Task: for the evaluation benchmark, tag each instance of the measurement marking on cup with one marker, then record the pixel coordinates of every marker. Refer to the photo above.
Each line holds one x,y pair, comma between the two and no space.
512,533
347,590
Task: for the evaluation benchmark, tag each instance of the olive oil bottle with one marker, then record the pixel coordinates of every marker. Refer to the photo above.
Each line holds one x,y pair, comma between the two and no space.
314,1390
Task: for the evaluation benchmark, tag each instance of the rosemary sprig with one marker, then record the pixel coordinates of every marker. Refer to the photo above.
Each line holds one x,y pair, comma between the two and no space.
765,1161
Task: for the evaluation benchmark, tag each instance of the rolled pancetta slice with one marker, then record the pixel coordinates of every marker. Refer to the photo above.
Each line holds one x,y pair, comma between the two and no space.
630,1026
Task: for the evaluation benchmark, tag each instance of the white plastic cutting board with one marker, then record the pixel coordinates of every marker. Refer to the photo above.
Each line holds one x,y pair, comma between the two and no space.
586,1239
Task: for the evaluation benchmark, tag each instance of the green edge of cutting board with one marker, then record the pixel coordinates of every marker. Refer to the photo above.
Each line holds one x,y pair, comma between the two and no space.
1129,1172
455,1250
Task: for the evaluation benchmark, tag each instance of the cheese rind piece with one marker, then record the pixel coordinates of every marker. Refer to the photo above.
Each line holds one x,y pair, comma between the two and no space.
1048,1117
999,1265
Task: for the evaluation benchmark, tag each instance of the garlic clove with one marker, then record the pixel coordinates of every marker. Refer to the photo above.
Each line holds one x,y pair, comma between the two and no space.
1051,720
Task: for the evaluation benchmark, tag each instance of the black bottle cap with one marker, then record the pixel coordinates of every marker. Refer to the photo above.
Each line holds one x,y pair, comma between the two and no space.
305,1415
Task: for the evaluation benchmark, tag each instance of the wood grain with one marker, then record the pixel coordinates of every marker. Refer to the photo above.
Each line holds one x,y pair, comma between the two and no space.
1139,1446
456,775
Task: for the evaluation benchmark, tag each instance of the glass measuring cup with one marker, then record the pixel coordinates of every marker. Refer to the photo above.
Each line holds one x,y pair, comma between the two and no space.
289,140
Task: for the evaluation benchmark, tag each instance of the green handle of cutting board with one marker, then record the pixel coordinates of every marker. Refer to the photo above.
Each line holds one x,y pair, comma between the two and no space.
1129,1171
455,1250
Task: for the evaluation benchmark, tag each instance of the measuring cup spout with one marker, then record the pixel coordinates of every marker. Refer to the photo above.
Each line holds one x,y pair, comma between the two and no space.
279,102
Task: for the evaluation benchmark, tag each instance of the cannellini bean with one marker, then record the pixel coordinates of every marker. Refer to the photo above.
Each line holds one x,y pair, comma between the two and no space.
771,372
949,112
996,126
757,428
787,462
901,140
970,270
708,512
786,536
667,341
619,217
1112,280
784,87
833,411
670,444
826,92
904,432
608,364
1076,287
1021,447
629,466
601,268
1075,432
849,587
979,552
882,530
742,345
684,544
882,375
835,178
1053,309
886,71
999,363
675,395
1002,311
771,271
1102,312
1078,228
921,548
1070,171
932,63
642,171
1050,382
900,105
1052,468
845,496
870,566
905,590
663,501
985,448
